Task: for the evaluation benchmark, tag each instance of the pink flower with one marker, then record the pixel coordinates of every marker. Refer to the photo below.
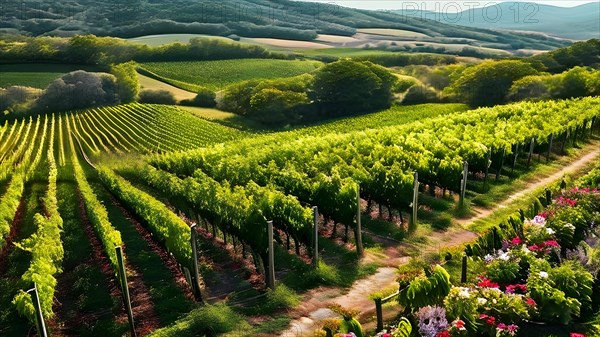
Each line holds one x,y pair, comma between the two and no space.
551,243
444,333
530,302
501,326
516,241
460,324
489,320
575,334
511,289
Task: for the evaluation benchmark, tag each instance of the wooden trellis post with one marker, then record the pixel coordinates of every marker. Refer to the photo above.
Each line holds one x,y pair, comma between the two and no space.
315,210
415,204
463,183
271,270
516,155
125,289
531,146
549,147
39,316
499,172
196,278
488,163
358,233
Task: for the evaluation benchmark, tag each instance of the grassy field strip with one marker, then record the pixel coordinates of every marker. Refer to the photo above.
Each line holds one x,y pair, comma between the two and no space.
153,84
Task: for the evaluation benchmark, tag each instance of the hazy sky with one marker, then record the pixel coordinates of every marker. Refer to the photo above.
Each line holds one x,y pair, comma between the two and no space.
433,4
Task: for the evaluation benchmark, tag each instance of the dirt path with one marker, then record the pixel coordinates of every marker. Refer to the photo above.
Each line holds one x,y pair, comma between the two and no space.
314,304
313,310
480,213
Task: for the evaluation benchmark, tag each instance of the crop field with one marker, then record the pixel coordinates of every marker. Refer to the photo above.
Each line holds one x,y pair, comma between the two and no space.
217,75
77,185
35,75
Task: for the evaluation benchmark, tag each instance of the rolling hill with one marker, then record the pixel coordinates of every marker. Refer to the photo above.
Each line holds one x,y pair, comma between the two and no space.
283,19
578,23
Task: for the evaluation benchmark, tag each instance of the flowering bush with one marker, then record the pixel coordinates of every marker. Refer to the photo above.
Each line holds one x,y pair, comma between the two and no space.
537,275
461,303
504,270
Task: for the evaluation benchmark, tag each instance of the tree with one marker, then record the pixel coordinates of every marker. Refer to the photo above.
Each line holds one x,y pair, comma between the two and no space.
530,88
347,86
488,83
574,83
273,106
128,84
78,90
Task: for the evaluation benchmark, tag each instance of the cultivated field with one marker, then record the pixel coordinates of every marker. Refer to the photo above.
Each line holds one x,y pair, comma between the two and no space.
216,75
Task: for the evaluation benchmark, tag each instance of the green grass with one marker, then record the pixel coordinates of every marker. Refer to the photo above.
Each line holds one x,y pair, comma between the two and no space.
226,118
216,75
159,40
36,75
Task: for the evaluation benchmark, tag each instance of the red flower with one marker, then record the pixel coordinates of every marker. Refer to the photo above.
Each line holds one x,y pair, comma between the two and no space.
530,302
551,243
535,248
516,241
460,324
485,283
575,334
501,326
444,333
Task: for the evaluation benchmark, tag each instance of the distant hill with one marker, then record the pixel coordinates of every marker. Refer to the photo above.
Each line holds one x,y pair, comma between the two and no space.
249,18
579,23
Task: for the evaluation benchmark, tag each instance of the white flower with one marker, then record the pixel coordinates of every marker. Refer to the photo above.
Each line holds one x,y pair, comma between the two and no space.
550,231
525,249
481,301
570,227
464,293
504,257
543,274
488,258
539,220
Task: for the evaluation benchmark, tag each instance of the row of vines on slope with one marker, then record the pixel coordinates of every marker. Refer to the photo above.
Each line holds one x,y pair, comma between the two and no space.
46,248
323,170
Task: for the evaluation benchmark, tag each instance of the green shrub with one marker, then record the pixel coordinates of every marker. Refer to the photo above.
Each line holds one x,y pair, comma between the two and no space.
281,297
418,94
205,98
157,97
208,320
